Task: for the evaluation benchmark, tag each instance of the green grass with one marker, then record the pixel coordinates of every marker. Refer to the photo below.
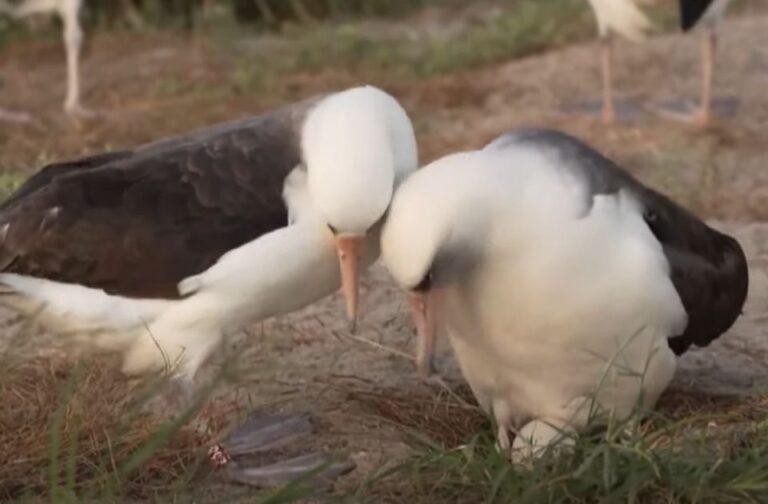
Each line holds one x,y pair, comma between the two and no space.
673,462
520,28
78,431
9,182
517,29
683,457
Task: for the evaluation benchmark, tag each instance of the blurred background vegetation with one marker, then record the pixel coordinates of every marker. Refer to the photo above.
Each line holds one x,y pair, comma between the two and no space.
262,14
321,34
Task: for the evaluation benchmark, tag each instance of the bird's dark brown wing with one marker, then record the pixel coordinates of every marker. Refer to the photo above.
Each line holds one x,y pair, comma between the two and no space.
136,223
707,268
691,12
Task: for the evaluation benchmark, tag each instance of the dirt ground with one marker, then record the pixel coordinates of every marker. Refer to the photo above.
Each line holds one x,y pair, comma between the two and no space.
309,361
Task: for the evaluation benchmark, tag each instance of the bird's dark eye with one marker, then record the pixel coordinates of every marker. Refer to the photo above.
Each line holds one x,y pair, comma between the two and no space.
425,284
333,229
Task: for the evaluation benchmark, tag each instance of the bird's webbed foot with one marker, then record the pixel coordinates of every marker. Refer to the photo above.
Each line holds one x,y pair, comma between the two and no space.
13,116
258,454
538,436
78,111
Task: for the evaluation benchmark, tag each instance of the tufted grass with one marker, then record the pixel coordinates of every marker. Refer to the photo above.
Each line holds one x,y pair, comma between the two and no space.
695,450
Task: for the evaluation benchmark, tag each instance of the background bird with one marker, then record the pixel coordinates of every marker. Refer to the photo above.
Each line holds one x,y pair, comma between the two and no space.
707,14
624,17
69,12
566,286
162,250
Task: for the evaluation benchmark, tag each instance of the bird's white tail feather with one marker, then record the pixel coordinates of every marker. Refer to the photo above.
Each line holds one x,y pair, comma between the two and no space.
110,321
623,17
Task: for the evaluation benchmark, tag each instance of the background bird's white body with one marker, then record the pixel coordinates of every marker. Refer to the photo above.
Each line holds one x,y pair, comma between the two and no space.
565,303
276,273
620,16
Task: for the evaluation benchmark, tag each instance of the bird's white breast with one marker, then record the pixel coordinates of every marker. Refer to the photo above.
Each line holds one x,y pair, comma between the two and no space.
620,16
561,298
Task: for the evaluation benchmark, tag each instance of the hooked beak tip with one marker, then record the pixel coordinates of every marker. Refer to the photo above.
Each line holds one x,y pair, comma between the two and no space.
423,312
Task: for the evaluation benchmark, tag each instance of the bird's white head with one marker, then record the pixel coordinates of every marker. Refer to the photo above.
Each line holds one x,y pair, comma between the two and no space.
437,220
357,146
433,237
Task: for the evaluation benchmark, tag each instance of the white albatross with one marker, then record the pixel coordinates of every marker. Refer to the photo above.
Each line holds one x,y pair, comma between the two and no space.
163,250
69,12
563,283
625,18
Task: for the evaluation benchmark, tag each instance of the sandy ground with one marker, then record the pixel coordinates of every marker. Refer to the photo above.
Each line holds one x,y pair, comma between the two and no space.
309,361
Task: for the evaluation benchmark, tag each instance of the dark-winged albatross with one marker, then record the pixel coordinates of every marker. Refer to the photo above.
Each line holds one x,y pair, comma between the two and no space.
708,15
560,279
69,11
164,249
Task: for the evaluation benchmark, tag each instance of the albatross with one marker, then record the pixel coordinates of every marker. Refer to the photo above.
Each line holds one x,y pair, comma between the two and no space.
163,250
707,15
566,287
625,18
69,11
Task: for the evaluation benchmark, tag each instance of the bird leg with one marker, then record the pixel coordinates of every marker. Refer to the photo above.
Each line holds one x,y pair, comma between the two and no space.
73,41
606,53
69,10
708,46
502,416
261,434
25,9
702,114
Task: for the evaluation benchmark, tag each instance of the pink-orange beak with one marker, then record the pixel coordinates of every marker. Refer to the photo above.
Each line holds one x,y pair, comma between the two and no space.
424,309
349,249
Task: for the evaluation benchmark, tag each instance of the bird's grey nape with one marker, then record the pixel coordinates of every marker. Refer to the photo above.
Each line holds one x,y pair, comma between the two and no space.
453,262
